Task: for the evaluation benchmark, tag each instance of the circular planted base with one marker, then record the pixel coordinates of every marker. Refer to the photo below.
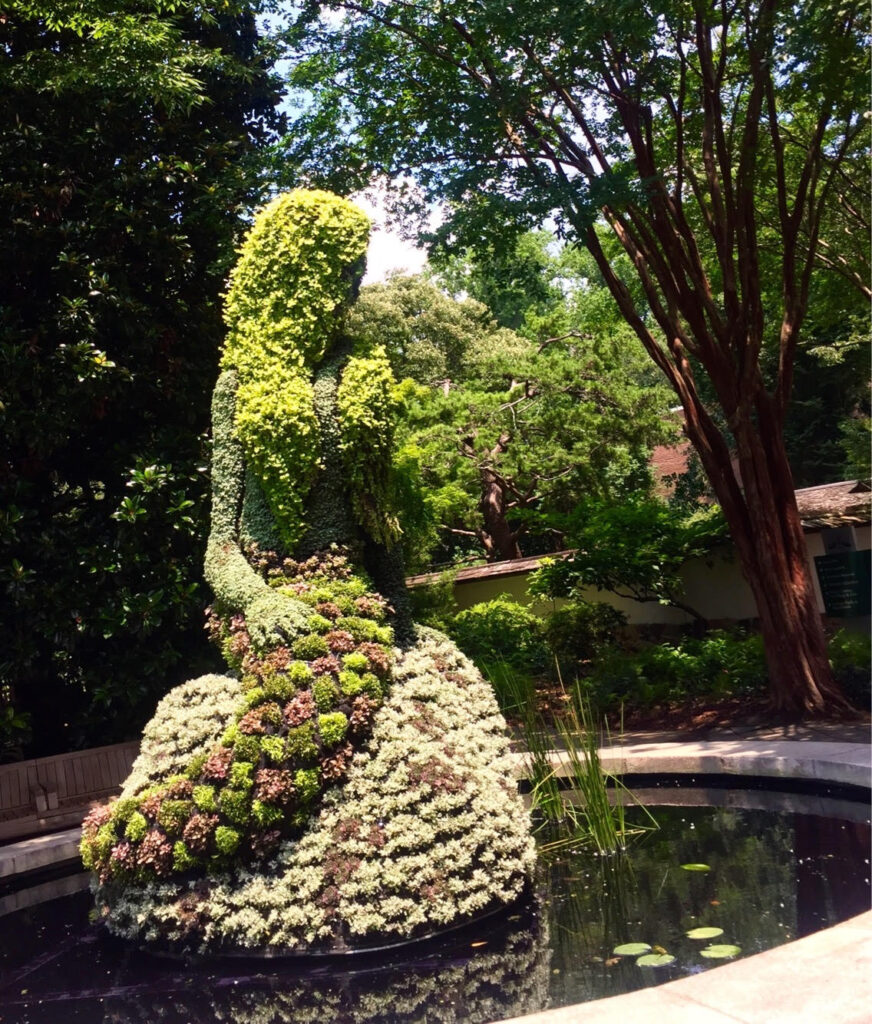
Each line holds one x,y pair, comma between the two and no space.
492,924
425,832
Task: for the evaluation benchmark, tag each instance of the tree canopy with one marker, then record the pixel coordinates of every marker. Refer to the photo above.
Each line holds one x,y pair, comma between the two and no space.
723,146
503,433
126,164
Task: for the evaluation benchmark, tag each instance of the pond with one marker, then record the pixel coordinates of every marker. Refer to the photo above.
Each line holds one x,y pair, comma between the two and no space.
769,867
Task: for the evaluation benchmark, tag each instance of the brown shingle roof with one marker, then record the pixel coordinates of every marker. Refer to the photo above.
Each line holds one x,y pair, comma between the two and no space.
846,503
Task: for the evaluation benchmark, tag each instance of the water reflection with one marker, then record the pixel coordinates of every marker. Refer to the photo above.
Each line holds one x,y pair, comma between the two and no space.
499,970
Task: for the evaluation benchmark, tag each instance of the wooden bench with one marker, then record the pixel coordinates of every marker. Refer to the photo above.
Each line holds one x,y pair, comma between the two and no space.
55,792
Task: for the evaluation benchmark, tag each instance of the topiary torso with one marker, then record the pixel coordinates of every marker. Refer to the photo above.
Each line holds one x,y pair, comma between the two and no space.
302,423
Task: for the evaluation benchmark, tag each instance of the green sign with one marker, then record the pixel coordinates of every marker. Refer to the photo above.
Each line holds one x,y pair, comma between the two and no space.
846,581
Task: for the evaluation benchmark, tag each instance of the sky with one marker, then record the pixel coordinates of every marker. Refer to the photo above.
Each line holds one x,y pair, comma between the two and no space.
388,251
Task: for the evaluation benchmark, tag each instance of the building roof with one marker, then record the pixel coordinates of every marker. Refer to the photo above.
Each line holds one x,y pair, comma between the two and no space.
508,567
846,503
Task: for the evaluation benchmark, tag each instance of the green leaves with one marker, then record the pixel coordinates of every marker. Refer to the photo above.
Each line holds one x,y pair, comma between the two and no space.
655,960
122,213
721,952
631,949
635,547
493,409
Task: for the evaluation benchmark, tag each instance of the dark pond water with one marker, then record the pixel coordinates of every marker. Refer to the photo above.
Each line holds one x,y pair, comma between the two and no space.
773,875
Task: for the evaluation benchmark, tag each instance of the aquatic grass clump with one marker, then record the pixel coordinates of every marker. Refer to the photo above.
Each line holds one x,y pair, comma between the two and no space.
568,786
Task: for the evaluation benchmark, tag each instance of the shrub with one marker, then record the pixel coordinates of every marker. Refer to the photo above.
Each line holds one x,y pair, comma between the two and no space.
501,630
310,647
280,686
226,840
215,787
355,661
300,743
319,624
265,815
333,728
580,630
434,604
183,859
851,658
325,693
236,806
720,663
274,748
173,816
307,782
246,748
204,798
137,826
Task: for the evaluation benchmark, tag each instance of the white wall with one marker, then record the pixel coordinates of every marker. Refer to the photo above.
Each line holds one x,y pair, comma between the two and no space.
714,586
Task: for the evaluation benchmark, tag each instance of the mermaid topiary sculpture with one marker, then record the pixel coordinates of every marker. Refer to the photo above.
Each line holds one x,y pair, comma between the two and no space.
338,791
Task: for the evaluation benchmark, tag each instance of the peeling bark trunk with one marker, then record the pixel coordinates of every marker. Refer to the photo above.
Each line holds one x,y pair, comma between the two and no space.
500,541
766,528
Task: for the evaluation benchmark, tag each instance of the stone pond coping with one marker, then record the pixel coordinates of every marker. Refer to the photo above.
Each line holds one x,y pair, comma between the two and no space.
844,763
825,978
815,760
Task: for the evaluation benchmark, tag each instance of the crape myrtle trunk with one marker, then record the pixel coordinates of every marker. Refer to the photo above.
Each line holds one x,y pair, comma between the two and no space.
767,531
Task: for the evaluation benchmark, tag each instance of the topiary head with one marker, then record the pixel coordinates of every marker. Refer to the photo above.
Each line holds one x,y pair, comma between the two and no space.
299,270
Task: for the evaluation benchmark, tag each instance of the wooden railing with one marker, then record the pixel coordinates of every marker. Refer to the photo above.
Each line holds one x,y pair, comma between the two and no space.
54,792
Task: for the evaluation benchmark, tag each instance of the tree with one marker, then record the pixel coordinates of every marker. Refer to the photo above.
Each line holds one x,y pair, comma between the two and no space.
634,549
505,432
712,139
517,283
127,144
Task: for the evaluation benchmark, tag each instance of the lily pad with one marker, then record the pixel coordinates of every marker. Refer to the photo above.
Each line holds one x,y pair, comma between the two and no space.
656,960
704,933
631,949
696,867
720,952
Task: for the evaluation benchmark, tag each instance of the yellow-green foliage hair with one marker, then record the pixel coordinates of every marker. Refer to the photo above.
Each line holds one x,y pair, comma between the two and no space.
295,277
367,407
